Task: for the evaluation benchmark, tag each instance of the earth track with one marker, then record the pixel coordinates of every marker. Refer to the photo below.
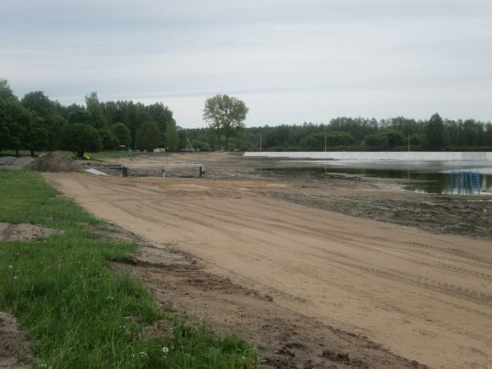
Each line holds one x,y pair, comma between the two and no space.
423,296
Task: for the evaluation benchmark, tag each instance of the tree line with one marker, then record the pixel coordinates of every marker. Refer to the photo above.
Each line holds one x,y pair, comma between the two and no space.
357,134
37,123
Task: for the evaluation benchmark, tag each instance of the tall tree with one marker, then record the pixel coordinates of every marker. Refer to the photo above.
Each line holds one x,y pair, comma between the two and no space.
36,133
148,136
161,115
406,126
79,138
225,114
49,126
171,136
108,139
7,100
122,134
95,108
78,114
471,132
15,121
5,90
435,134
488,134
130,120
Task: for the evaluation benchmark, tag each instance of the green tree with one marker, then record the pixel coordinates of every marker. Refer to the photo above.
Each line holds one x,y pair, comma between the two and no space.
415,141
339,139
7,99
454,132
78,114
395,137
5,90
130,119
161,115
108,139
4,131
435,134
385,139
406,126
377,141
313,142
148,136
95,109
48,128
225,115
36,133
122,134
488,134
172,136
470,135
79,138
357,127
15,121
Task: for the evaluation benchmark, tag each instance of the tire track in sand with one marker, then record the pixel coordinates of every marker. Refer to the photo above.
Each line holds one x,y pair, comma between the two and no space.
423,296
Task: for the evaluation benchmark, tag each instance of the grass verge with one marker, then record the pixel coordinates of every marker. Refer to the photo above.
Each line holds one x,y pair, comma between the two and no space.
78,313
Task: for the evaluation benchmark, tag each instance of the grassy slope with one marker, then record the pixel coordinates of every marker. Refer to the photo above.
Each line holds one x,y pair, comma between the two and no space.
78,313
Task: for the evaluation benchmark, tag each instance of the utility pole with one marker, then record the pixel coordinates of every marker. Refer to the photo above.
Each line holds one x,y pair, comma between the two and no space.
260,143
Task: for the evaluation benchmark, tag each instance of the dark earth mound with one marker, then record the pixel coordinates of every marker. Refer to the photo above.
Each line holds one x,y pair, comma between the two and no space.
54,162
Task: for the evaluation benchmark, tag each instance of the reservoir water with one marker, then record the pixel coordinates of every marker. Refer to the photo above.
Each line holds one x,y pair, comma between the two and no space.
423,176
420,176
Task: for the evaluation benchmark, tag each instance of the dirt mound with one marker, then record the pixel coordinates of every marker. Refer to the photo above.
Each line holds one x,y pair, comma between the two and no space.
23,232
7,160
12,343
12,162
54,162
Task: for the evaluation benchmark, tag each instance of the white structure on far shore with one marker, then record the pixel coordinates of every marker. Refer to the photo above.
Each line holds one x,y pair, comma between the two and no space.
375,155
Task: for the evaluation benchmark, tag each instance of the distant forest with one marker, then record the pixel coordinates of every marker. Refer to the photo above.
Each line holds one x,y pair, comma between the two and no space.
37,123
359,134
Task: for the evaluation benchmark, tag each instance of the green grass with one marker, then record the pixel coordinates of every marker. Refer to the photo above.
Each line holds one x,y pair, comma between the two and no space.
78,313
12,153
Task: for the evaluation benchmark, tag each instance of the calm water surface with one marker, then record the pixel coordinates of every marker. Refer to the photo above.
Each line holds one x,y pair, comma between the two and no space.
432,177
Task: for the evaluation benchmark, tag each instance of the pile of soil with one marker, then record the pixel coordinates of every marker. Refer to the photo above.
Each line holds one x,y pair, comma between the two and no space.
23,232
11,162
7,160
54,162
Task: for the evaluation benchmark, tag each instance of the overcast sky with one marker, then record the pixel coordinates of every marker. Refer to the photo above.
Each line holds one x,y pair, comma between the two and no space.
290,61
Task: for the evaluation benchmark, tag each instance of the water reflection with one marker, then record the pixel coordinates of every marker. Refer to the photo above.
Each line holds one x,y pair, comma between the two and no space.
432,177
